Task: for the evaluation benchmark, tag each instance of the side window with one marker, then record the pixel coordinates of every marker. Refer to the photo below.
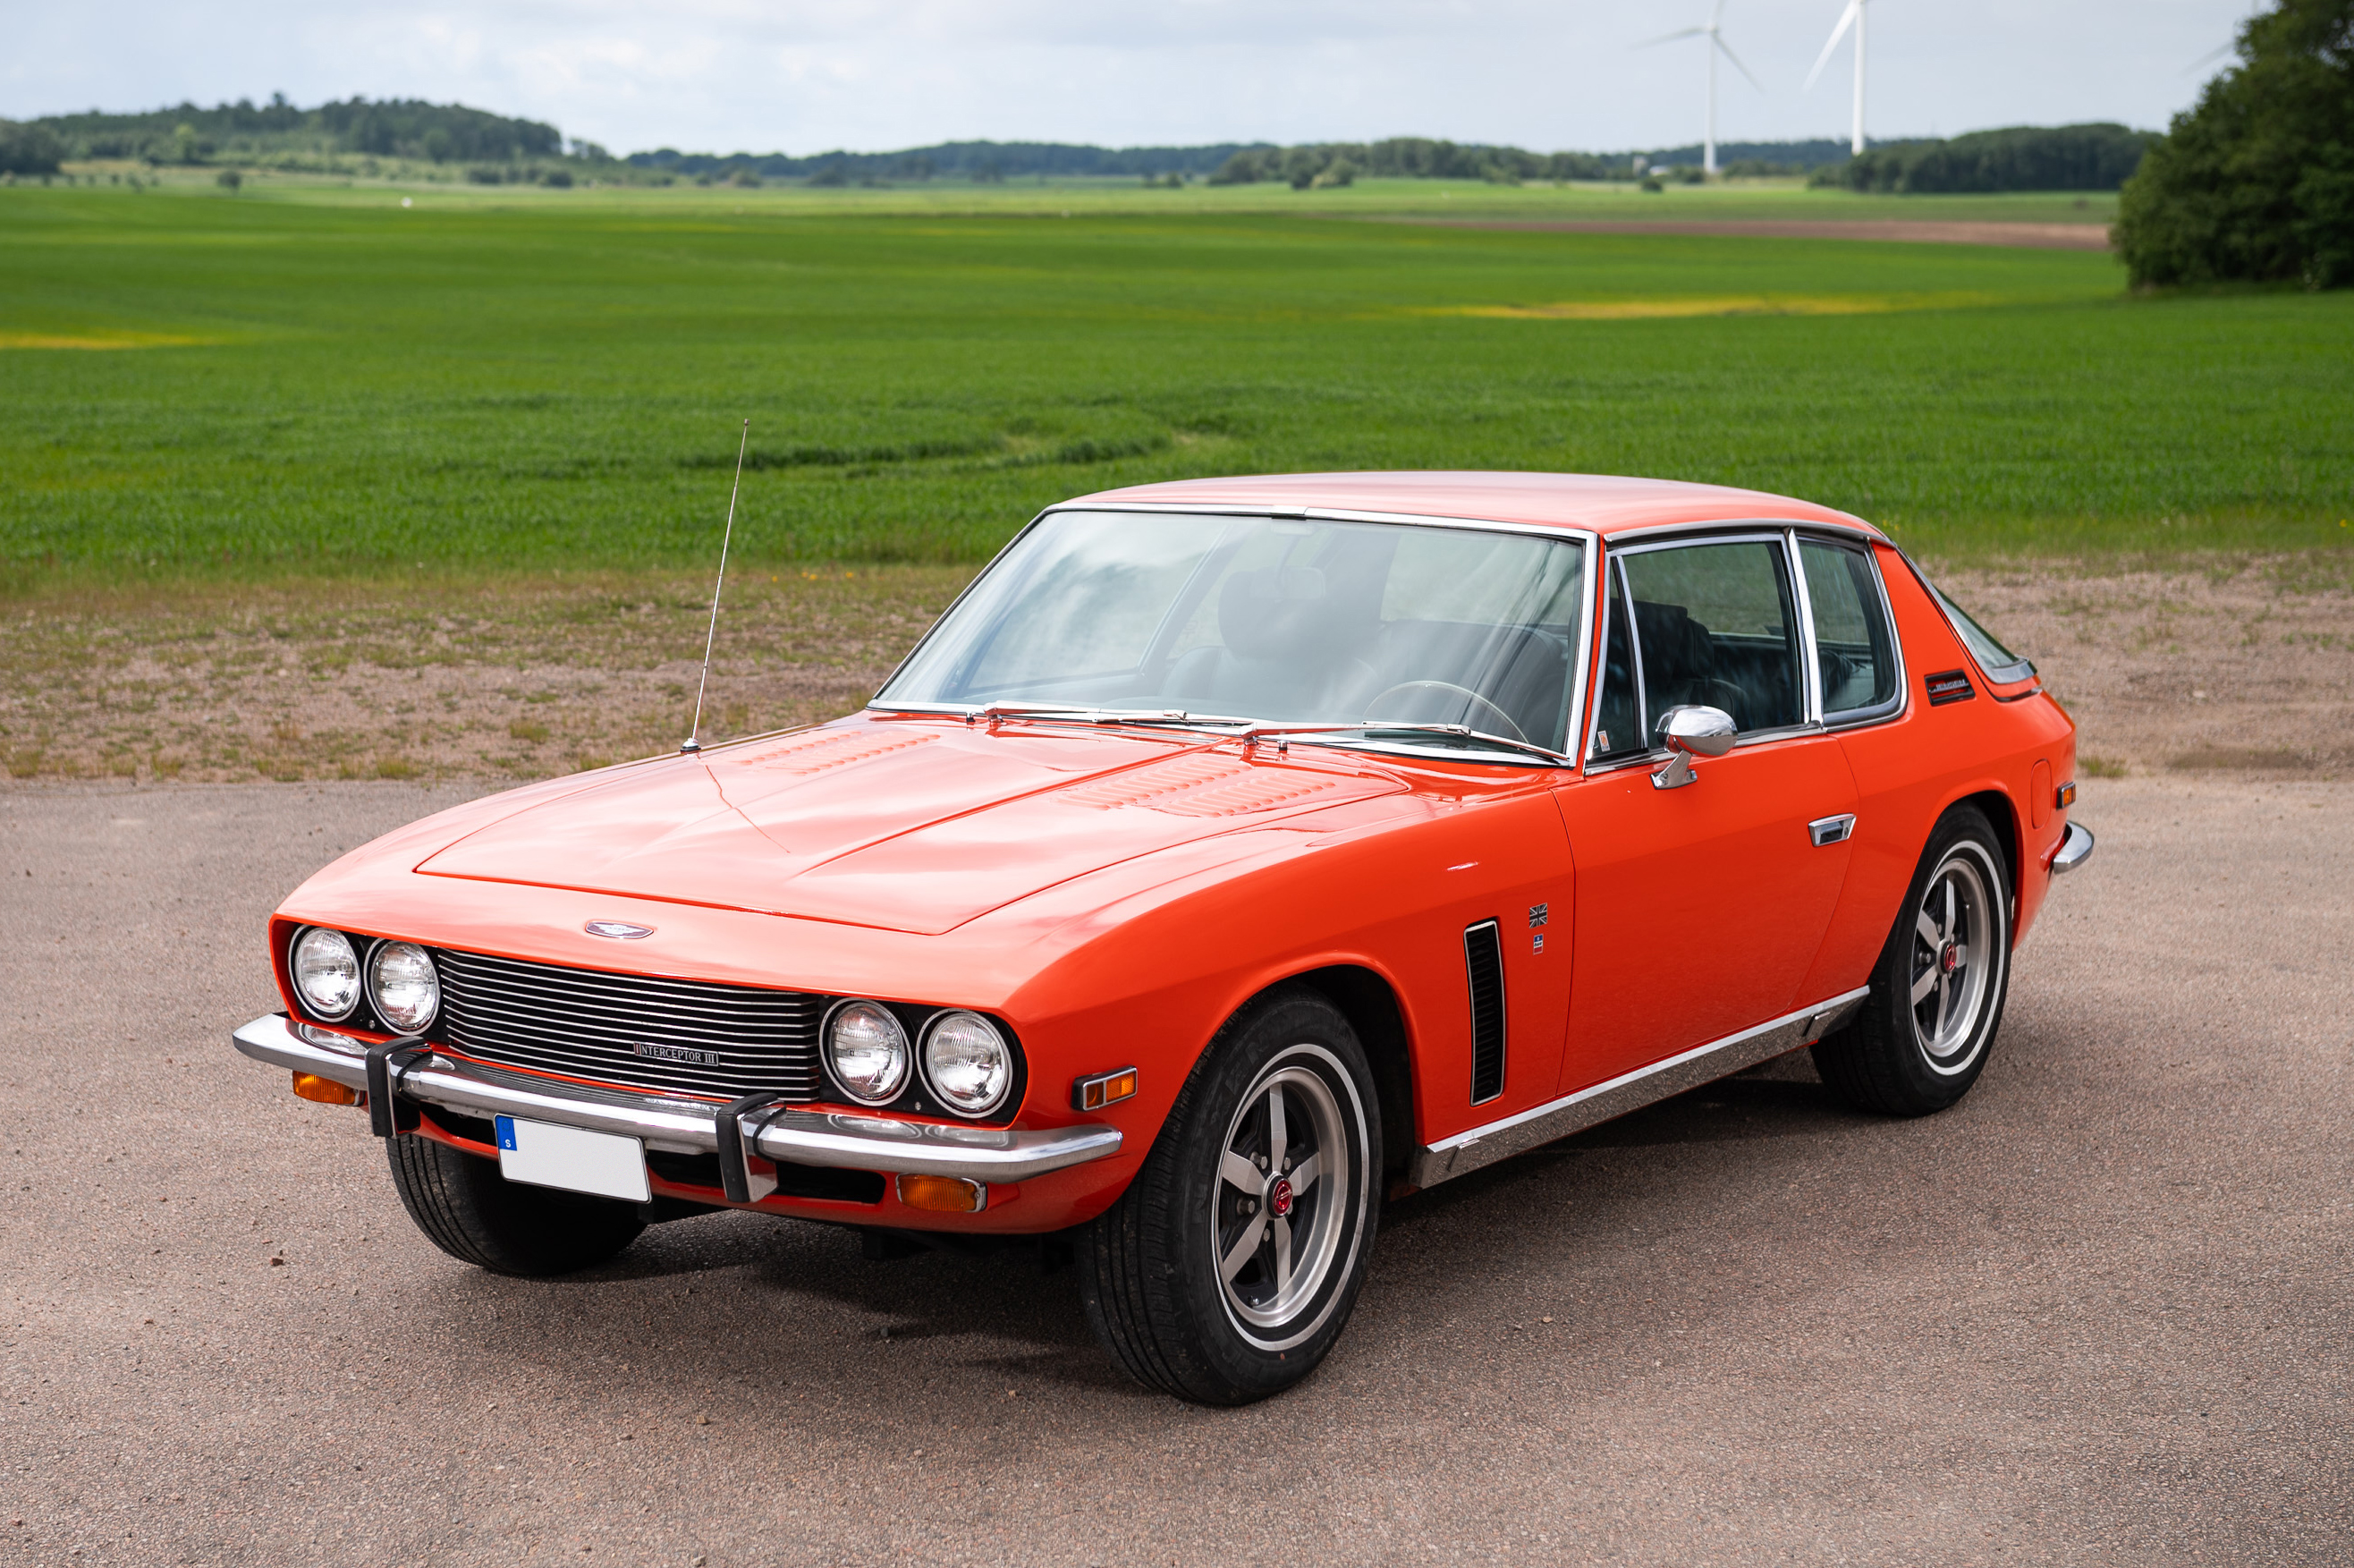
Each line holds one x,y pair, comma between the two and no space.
1854,646
1617,728
1716,626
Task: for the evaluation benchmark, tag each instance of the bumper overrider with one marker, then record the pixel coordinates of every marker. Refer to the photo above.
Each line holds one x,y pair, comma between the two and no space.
2076,848
762,1127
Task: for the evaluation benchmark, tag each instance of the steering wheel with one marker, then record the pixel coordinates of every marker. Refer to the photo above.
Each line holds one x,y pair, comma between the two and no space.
1504,720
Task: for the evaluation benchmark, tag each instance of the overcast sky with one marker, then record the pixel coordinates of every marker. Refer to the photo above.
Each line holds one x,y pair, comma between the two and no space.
804,76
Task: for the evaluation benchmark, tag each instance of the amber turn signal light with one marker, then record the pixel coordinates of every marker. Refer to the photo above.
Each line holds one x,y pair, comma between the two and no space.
326,1091
2066,795
943,1195
1104,1088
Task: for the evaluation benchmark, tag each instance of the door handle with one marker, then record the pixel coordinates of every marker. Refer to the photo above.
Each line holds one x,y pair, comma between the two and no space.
1836,830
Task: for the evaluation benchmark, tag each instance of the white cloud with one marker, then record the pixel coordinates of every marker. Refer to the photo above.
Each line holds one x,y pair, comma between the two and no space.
799,76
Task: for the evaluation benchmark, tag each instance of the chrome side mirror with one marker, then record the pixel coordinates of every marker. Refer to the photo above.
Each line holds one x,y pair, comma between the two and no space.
1687,733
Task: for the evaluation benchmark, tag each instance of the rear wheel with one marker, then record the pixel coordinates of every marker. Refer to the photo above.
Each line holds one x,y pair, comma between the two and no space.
476,1215
1228,1268
1922,1037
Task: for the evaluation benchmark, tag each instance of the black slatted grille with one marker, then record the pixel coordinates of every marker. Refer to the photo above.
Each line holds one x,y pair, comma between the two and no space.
633,1029
1483,960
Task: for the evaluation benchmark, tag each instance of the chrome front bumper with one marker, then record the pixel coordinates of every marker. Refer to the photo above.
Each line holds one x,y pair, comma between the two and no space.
686,1126
2076,848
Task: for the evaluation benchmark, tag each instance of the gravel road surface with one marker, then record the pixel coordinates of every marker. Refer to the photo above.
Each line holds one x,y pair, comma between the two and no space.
2096,1314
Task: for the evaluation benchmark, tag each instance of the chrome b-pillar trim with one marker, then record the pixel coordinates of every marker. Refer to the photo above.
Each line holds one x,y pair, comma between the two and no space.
1590,1107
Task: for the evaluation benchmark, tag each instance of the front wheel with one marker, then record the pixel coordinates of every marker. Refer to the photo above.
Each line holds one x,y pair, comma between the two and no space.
1922,1037
1228,1268
470,1211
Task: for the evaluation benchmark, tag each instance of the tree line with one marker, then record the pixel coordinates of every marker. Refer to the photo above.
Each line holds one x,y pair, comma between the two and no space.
245,132
2095,157
2255,183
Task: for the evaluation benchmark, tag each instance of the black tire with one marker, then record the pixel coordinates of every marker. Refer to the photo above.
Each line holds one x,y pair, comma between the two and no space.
1155,1269
476,1215
1910,1050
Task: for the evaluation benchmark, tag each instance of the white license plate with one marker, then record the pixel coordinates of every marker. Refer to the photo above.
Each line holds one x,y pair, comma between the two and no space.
546,1155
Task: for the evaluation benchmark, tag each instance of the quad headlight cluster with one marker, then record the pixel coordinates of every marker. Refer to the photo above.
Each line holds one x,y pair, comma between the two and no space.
398,980
965,1059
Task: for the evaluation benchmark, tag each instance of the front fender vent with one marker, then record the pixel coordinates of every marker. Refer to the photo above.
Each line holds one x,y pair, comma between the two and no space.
1483,963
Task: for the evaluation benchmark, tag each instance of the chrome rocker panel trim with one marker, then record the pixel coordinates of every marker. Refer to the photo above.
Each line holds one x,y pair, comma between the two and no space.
2076,848
691,1127
1451,1157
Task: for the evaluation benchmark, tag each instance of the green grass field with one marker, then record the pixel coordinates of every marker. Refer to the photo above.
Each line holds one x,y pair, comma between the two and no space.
313,380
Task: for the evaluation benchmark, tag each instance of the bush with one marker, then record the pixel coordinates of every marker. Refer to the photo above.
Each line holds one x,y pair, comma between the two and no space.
28,149
228,179
2255,183
560,178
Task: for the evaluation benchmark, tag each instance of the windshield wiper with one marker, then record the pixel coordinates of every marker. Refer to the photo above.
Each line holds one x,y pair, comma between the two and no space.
971,712
1386,726
1250,730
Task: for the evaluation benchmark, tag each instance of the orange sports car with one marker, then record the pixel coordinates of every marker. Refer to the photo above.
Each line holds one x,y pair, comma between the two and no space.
1233,857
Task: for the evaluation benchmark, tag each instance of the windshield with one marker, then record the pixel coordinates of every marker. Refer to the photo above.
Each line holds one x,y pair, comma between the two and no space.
1268,619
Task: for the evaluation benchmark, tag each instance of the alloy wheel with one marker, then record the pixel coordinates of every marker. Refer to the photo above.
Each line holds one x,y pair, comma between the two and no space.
1955,955
1281,1199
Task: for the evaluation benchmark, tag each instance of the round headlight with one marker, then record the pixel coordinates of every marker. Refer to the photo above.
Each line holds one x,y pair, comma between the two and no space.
402,984
868,1051
326,973
967,1062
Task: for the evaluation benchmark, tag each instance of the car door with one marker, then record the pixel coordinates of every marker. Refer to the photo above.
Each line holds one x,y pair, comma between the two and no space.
1699,907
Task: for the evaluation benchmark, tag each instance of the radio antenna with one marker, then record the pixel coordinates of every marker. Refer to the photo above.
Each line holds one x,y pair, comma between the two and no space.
693,743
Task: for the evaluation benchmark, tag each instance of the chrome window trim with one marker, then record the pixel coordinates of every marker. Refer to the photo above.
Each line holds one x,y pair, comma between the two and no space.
1328,514
1808,725
1736,533
1810,707
2008,674
1895,707
1647,531
1600,640
1586,539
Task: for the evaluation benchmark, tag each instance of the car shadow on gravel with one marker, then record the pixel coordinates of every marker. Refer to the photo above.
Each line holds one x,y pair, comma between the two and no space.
784,1295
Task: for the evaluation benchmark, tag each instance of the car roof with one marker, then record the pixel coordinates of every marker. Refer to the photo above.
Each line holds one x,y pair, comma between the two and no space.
1607,504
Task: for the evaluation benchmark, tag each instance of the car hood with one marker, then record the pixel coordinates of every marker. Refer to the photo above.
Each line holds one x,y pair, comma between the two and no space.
915,825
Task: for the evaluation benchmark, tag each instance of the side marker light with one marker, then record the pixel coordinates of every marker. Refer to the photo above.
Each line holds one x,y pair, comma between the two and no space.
943,1195
325,1091
2066,795
1103,1089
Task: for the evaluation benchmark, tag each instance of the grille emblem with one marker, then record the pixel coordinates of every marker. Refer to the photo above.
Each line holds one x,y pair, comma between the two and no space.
677,1053
619,930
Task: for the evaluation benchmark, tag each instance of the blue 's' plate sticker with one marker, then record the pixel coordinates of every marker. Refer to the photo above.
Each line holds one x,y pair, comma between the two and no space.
507,1132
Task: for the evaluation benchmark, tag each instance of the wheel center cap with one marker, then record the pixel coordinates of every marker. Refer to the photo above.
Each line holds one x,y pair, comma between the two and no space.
1278,1197
1949,958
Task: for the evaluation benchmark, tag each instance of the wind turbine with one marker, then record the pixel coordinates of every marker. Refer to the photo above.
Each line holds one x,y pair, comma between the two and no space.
1853,16
1716,45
